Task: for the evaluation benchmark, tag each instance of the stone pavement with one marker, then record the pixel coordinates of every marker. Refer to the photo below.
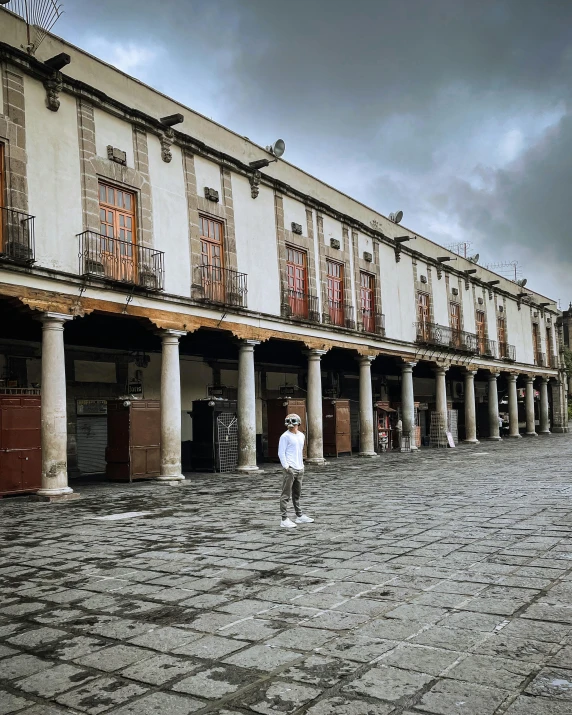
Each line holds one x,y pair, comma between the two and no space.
437,582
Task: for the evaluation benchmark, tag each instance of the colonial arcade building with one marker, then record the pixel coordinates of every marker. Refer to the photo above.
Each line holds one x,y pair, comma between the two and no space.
156,289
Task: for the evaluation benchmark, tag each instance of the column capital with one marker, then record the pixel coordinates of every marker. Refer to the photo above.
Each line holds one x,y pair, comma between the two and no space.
530,378
440,369
365,359
49,317
248,344
512,377
470,373
315,353
493,375
168,333
407,366
544,378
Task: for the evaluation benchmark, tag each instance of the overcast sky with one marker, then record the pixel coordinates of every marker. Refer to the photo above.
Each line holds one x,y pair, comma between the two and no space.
457,112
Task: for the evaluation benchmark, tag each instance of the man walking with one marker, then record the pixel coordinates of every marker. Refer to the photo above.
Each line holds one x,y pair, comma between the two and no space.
291,455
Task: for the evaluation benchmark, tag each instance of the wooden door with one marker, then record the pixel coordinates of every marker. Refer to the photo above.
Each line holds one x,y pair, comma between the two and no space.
423,314
455,317
117,229
297,276
2,189
367,299
145,439
343,427
335,277
481,335
536,342
212,259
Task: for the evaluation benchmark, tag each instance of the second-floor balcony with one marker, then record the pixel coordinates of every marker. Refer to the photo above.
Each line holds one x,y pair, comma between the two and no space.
487,348
339,313
540,359
300,305
17,238
371,322
222,286
120,261
445,337
506,352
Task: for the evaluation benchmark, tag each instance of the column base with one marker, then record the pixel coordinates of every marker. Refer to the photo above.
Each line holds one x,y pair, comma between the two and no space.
368,454
545,432
515,436
54,495
170,481
532,434
316,461
471,441
560,430
494,439
248,470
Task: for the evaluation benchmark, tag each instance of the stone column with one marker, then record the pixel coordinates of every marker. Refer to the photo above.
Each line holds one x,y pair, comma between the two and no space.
246,407
544,427
494,430
170,408
441,392
530,425
314,408
470,410
366,443
513,406
54,413
408,402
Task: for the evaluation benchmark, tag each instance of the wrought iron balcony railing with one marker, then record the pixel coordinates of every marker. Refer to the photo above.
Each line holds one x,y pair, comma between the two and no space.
507,352
487,348
540,359
214,284
120,261
371,322
303,306
445,337
339,313
17,237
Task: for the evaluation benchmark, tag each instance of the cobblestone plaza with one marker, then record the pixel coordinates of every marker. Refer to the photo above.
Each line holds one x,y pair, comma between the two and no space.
432,582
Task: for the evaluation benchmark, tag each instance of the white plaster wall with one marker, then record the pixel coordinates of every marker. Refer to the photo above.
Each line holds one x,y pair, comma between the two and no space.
54,185
514,331
469,323
114,131
440,299
365,243
294,211
317,262
333,229
350,251
397,294
208,174
170,217
256,249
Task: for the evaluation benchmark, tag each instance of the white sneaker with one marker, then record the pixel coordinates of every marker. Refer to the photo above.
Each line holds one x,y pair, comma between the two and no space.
304,519
288,523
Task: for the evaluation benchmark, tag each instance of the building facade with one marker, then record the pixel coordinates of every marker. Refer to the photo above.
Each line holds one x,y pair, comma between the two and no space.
143,257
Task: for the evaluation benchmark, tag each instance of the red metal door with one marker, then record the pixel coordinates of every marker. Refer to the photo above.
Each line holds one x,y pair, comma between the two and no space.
20,444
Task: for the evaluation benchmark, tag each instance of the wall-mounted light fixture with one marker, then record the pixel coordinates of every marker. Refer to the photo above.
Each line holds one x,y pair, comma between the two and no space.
277,150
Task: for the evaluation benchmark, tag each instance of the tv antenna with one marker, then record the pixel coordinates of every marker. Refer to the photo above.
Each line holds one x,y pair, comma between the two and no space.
40,16
461,249
511,270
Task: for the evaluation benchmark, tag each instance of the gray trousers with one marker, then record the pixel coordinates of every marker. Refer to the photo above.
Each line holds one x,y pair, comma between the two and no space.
291,487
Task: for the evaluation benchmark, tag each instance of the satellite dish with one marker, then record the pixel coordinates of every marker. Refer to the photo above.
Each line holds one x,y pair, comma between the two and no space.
522,282
475,258
278,148
396,217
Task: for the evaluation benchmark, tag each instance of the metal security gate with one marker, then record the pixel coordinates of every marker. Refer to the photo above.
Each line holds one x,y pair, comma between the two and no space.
227,442
91,443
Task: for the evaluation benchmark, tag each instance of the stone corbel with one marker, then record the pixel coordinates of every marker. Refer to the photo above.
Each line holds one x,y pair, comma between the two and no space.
53,87
254,180
397,249
166,138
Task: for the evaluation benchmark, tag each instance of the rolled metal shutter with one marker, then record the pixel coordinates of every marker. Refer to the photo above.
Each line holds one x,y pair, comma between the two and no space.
91,443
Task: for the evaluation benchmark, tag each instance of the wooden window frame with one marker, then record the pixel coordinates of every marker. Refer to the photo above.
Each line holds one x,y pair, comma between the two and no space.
423,330
335,285
481,339
297,299
368,315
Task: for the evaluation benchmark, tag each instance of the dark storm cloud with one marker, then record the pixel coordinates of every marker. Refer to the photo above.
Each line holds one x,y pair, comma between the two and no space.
456,111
